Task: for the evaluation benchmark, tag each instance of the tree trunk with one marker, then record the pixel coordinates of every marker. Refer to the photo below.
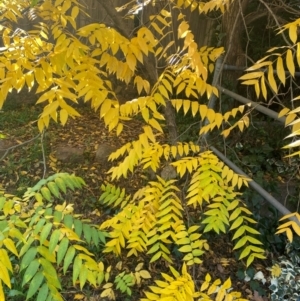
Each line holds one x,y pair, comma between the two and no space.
149,64
233,27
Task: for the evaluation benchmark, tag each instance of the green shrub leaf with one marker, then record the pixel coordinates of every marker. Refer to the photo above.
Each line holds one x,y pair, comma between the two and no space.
30,271
62,249
28,257
35,284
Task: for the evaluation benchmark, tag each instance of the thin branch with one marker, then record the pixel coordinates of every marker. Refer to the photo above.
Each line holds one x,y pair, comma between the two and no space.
275,19
17,145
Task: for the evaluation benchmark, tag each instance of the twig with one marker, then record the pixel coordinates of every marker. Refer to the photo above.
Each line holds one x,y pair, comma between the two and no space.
275,19
17,145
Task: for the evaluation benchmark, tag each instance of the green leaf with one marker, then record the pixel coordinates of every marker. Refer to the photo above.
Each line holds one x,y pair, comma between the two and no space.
76,268
69,182
28,258
43,293
46,193
45,232
39,226
68,221
87,231
61,184
78,227
35,284
95,236
30,271
54,189
54,240
62,249
50,273
26,246
57,216
68,258
83,276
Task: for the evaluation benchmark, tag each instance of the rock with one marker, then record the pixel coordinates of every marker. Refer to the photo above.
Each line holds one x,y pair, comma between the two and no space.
69,154
150,174
168,173
103,152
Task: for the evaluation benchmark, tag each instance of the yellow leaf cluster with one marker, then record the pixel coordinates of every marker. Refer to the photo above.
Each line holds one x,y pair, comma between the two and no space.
204,7
293,225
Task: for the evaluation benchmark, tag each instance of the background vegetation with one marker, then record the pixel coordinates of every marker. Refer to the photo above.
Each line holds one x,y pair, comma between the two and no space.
110,185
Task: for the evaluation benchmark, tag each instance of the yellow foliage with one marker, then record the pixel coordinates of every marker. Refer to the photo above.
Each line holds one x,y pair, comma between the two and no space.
293,225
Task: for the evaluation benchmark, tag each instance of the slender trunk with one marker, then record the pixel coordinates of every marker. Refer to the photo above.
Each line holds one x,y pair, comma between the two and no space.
234,26
149,64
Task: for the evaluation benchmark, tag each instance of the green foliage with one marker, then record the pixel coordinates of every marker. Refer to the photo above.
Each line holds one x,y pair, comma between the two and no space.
43,240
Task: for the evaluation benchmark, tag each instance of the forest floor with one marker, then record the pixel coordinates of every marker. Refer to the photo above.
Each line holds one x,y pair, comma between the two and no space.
24,166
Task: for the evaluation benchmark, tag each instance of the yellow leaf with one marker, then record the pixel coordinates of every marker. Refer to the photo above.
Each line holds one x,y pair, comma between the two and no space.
79,296
293,32
280,70
10,245
183,29
186,106
271,79
49,95
119,129
290,62
226,133
5,260
4,275
289,118
157,28
50,108
283,112
257,90
252,75
263,87
180,88
241,125
2,297
131,61
41,125
297,54
145,274
154,123
289,234
139,83
259,65
211,115
163,91
204,286
249,82
63,116
296,228
276,270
